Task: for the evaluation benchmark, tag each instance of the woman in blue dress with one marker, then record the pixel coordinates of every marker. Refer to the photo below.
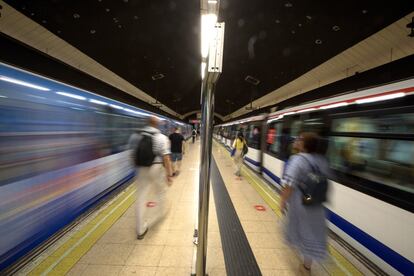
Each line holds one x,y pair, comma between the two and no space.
306,227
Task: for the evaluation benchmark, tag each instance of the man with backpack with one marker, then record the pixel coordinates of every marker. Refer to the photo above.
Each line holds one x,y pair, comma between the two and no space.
151,157
194,134
177,150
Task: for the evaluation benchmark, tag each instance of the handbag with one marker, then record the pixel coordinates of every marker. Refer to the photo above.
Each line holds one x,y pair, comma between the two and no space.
233,151
245,148
314,187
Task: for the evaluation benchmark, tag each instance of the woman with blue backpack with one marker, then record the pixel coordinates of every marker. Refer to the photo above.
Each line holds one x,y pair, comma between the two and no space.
305,186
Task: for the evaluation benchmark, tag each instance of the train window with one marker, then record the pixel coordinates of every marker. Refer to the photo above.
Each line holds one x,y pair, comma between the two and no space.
315,125
390,162
392,123
296,128
273,138
252,135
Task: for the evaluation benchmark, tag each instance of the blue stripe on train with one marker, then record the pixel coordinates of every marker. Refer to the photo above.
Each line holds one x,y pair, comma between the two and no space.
388,255
271,175
19,251
251,161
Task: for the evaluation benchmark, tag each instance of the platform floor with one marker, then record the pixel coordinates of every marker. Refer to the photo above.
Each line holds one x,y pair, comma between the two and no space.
105,243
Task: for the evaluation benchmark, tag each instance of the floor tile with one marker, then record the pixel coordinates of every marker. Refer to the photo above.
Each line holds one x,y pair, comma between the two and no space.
109,254
180,238
177,256
265,240
133,270
173,271
102,270
154,237
217,272
145,255
125,222
215,258
250,226
77,269
119,235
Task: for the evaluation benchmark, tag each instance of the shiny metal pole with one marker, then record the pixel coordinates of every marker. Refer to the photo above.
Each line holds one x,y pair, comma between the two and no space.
204,184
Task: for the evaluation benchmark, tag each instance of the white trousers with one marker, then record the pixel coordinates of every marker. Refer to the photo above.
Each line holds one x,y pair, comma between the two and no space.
238,161
150,179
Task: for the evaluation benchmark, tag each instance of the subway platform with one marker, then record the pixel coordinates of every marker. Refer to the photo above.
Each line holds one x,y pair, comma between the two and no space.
244,232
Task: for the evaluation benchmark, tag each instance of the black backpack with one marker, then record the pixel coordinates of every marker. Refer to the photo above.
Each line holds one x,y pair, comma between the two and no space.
314,187
144,156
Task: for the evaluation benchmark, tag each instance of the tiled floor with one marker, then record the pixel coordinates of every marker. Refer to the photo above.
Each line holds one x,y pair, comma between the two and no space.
167,249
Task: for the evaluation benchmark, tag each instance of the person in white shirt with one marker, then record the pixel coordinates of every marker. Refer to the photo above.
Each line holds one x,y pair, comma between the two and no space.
151,177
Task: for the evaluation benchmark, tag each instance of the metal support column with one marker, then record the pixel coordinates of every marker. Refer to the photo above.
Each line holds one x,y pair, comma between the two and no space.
213,70
204,190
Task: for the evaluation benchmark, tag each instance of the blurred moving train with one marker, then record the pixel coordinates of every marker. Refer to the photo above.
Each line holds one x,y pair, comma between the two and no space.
369,139
61,150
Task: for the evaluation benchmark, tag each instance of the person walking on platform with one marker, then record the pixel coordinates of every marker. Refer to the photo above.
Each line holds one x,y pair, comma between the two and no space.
194,134
151,156
239,150
177,150
305,188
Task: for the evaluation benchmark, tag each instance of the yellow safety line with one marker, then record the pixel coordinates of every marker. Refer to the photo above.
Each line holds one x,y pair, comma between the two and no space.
67,255
343,266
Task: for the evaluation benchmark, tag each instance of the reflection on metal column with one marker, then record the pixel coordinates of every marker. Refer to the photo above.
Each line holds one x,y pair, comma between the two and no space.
204,188
207,96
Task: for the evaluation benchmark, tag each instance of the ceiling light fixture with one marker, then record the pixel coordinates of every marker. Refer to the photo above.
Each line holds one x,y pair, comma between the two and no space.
212,1
27,84
207,31
381,98
252,80
157,77
71,95
336,28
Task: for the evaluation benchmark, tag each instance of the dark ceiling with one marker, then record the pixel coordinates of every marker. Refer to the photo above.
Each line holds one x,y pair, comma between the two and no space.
272,41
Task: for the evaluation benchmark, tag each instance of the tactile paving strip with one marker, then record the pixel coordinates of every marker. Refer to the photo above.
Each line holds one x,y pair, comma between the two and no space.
238,255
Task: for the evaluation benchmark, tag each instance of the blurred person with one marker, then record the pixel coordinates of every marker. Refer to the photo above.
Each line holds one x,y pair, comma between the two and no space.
151,156
194,134
304,190
285,144
239,146
256,138
177,150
